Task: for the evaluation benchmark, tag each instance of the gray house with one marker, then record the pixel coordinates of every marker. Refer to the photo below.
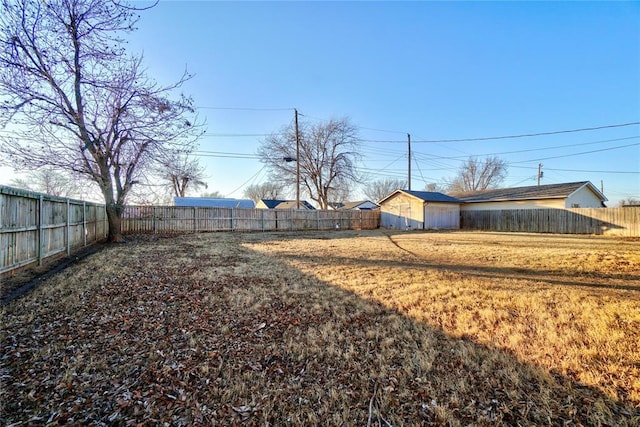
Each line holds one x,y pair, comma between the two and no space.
283,204
209,202
362,205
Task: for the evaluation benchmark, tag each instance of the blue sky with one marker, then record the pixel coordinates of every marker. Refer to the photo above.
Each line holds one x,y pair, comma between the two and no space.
436,70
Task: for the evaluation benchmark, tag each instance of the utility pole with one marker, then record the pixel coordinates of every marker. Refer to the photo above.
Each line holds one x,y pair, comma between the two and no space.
409,160
539,173
297,161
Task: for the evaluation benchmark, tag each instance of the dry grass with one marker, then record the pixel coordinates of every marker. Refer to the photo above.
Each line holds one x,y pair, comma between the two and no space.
342,328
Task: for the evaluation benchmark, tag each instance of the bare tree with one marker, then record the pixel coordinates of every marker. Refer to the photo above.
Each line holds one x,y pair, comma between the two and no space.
147,193
182,173
213,195
266,190
75,100
341,194
629,201
327,158
381,188
476,175
435,187
49,181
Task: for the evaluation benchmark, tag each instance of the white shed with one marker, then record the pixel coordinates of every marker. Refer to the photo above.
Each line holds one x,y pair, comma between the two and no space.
424,210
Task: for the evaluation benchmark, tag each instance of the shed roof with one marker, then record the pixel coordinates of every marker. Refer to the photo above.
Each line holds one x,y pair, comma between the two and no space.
426,196
549,191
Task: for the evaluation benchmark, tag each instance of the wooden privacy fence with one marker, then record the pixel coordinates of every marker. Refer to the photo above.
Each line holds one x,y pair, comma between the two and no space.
178,219
623,221
36,226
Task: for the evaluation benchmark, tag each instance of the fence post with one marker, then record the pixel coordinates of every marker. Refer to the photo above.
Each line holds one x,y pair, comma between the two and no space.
232,209
40,230
68,228
84,223
95,223
318,219
195,219
105,222
262,219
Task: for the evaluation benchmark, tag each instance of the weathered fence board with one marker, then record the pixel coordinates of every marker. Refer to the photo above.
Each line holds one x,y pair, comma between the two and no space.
623,221
36,226
177,219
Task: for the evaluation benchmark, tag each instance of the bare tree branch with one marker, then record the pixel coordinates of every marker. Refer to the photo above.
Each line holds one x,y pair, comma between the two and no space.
377,190
267,190
181,173
75,100
475,175
328,153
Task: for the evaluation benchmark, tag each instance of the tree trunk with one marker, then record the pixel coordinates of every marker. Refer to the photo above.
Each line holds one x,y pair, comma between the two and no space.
114,218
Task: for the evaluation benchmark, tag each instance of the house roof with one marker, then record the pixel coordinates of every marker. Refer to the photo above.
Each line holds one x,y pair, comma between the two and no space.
426,196
353,205
549,191
209,202
291,204
285,204
272,203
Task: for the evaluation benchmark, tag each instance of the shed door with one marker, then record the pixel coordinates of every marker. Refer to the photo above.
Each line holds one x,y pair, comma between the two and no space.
441,217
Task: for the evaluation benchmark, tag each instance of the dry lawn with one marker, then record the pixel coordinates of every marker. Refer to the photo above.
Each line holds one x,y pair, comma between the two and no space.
339,328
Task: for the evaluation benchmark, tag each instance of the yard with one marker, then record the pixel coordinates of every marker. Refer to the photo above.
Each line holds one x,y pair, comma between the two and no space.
331,328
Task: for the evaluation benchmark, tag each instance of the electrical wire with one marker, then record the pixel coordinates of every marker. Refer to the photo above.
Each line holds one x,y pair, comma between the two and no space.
237,135
249,180
537,149
488,138
221,154
528,135
575,170
579,154
245,108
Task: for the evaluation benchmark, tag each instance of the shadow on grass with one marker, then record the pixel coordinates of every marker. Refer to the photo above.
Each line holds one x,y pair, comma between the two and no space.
551,277
237,337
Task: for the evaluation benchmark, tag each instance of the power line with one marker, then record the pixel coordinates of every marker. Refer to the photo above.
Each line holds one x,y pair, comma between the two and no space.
578,154
527,135
389,165
381,130
390,173
245,108
537,149
392,131
575,170
237,135
487,138
223,154
253,177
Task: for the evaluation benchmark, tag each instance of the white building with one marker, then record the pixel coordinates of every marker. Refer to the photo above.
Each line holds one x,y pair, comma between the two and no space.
424,210
553,196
